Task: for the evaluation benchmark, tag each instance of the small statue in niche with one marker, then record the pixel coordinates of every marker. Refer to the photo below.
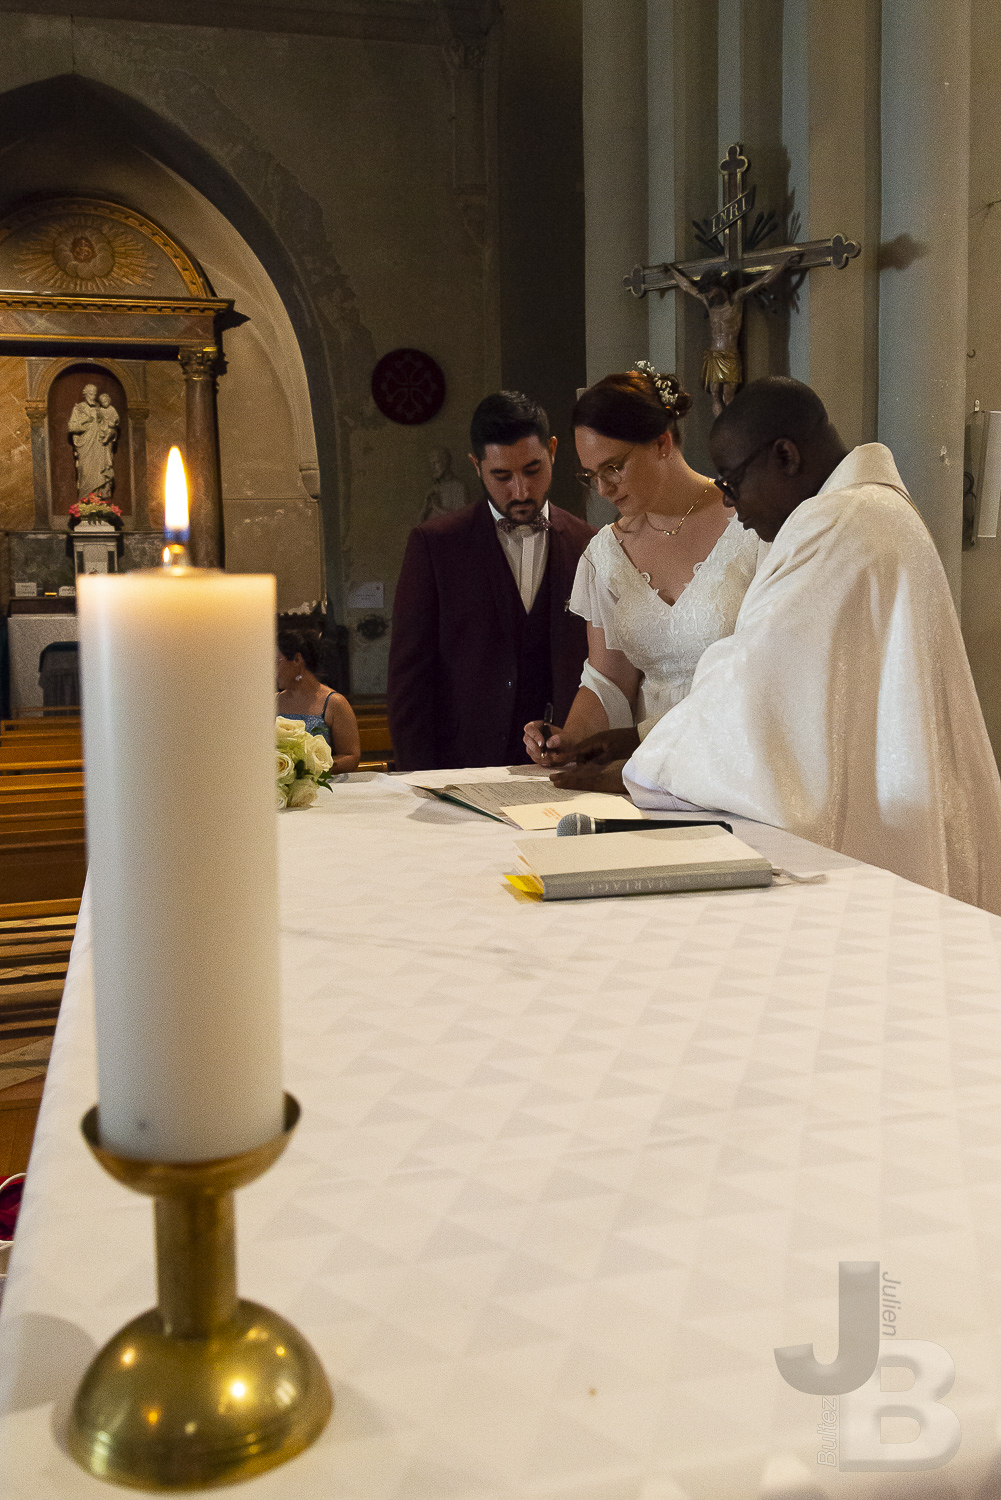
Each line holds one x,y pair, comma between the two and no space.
93,427
448,492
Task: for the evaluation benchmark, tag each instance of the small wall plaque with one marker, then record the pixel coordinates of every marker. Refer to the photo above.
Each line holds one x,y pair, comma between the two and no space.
26,591
365,596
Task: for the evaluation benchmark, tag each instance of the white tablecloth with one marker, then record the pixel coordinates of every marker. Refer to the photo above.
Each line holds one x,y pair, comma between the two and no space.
568,1173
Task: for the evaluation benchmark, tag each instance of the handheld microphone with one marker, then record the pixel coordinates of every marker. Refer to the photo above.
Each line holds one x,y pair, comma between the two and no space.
576,822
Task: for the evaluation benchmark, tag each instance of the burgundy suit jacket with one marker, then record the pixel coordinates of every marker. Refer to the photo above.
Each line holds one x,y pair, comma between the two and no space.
453,654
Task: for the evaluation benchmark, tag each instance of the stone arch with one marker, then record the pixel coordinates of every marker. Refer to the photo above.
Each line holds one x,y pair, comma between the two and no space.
304,276
124,372
40,233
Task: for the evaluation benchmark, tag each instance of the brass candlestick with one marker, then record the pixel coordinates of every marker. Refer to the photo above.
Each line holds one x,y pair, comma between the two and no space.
205,1388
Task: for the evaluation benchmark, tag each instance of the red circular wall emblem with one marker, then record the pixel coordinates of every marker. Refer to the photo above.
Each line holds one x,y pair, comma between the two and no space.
408,387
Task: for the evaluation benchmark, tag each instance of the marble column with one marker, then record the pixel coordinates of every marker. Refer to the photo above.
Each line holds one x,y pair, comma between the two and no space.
615,181
837,348
615,192
923,257
201,458
38,419
665,213
683,183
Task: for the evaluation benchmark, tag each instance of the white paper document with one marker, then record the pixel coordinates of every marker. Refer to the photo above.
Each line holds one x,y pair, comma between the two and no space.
547,812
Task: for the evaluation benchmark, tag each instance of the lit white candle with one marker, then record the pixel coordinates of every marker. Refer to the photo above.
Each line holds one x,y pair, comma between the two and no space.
177,672
176,527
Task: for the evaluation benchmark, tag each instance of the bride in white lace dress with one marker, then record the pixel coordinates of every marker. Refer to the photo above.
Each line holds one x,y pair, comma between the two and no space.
664,580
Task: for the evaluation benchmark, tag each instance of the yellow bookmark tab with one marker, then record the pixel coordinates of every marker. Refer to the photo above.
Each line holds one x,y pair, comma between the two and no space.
528,885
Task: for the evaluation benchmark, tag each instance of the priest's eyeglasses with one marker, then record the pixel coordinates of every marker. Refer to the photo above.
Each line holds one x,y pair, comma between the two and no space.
607,473
730,486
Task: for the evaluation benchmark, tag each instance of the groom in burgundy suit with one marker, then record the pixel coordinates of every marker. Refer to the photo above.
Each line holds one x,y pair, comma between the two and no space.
482,639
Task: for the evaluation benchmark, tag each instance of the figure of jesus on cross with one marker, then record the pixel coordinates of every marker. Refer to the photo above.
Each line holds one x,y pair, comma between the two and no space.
724,282
722,372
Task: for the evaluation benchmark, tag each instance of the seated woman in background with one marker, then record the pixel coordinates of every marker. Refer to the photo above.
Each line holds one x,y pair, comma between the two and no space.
659,584
301,695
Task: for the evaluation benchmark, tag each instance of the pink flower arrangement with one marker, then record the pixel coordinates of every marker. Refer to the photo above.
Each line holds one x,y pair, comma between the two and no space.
94,507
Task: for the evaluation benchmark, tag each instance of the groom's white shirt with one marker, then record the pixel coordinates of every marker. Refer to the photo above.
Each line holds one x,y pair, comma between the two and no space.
527,552
842,707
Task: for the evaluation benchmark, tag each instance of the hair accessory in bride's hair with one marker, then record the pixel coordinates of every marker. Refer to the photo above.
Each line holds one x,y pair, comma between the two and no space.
668,387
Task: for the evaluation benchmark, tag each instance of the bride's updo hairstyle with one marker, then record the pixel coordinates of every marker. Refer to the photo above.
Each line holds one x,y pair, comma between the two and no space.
635,406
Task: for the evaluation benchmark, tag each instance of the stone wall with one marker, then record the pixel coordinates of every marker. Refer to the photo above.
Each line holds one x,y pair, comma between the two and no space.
335,172
17,504
861,117
982,564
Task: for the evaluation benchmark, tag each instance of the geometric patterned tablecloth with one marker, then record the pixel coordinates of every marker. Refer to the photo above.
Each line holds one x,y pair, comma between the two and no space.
568,1173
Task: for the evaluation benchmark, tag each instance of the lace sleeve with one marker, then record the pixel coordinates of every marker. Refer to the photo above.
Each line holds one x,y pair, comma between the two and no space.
585,586
592,598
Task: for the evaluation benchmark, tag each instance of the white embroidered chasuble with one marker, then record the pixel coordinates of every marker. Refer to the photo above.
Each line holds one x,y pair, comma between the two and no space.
842,708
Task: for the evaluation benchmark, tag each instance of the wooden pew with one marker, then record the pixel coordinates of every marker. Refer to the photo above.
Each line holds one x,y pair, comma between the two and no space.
41,791
43,852
39,728
373,730
37,824
42,724
35,941
46,783
27,763
41,752
41,731
40,868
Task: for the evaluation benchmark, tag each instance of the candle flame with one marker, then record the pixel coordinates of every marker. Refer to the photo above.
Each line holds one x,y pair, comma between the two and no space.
175,494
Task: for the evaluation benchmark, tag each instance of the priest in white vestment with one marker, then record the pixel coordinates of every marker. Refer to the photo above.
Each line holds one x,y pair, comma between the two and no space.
842,708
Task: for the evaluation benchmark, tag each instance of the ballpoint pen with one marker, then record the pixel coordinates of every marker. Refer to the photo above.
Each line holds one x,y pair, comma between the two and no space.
546,726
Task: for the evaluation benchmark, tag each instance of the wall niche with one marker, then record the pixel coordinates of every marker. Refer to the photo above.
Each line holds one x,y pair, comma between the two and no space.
104,444
55,388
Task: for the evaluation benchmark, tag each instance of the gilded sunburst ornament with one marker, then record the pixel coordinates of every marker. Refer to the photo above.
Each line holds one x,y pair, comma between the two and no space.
84,255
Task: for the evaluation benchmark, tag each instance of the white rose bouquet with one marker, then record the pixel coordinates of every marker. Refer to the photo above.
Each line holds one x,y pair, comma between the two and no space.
303,764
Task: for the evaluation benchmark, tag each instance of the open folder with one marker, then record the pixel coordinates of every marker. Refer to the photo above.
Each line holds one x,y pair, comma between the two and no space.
531,804
649,861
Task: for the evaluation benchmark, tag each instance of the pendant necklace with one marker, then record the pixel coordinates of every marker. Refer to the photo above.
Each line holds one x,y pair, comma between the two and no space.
659,531
673,531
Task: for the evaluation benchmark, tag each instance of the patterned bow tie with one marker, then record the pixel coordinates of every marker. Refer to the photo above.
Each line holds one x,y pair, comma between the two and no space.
537,523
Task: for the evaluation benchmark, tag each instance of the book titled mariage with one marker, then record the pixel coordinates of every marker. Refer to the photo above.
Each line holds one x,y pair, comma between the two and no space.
647,862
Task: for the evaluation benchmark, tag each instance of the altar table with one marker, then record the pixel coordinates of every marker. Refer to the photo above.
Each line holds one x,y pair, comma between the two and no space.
27,636
568,1173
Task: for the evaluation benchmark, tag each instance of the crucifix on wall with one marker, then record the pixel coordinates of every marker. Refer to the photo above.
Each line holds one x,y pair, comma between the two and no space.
735,270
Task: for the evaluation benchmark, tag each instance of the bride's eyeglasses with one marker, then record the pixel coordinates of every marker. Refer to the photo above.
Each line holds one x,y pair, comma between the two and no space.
609,473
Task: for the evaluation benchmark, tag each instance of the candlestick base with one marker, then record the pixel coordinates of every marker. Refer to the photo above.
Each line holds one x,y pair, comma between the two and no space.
163,1413
205,1389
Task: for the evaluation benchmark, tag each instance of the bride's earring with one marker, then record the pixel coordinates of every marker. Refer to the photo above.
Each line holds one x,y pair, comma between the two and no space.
299,678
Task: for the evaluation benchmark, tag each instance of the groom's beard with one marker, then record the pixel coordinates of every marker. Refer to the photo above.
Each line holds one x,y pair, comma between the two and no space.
505,509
